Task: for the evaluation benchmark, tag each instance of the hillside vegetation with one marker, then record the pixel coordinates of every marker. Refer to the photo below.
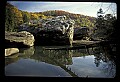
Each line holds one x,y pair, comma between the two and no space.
15,17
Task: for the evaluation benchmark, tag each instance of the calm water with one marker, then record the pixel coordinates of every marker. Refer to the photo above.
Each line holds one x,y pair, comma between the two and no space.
93,62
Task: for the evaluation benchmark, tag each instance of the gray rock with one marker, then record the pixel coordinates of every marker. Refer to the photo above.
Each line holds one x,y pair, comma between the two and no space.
64,26
81,33
57,29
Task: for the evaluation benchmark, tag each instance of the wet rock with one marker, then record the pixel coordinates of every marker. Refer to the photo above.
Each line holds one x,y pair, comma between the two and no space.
10,51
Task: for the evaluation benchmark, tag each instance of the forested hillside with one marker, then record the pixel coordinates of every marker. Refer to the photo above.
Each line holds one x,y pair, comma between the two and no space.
80,20
14,17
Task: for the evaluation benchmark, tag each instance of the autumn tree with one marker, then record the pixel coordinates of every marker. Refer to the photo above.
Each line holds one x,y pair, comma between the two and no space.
13,18
10,23
18,15
34,16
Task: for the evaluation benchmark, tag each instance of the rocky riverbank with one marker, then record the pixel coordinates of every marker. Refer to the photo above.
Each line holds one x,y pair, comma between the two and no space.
19,39
16,40
53,31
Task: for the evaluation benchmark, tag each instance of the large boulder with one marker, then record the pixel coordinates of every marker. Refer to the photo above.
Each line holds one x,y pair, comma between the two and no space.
19,39
10,51
81,33
57,30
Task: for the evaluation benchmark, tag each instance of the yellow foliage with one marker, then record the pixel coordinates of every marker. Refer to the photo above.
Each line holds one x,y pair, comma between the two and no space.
17,14
34,16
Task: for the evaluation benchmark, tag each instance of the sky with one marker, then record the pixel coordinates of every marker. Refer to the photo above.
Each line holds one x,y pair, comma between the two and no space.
85,8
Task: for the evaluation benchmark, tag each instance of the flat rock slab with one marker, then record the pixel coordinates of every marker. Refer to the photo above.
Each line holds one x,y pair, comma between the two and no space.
85,42
22,38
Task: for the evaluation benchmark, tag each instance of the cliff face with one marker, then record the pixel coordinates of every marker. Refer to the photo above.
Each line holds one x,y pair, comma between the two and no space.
63,28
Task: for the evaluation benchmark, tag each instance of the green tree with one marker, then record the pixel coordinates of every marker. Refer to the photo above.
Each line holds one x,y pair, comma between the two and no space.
104,25
18,19
26,17
100,25
110,24
13,18
9,19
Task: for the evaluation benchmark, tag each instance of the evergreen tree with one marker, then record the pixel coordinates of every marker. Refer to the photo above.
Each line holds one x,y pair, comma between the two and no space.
26,17
104,25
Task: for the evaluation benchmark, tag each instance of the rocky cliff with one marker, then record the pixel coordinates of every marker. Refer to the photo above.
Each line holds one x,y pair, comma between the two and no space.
56,30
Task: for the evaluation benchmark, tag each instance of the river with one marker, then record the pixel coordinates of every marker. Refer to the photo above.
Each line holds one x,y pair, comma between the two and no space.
94,62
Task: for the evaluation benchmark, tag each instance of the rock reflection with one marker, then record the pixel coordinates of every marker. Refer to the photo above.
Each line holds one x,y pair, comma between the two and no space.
62,56
55,57
102,59
11,59
24,53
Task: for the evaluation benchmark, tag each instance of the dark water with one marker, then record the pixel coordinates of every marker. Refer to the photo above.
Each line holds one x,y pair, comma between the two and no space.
96,62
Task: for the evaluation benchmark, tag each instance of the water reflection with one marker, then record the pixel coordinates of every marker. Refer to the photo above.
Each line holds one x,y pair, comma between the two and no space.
103,56
89,62
24,53
64,57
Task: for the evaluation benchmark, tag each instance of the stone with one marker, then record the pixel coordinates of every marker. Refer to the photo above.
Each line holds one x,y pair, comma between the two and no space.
60,28
10,51
81,33
19,39
56,30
